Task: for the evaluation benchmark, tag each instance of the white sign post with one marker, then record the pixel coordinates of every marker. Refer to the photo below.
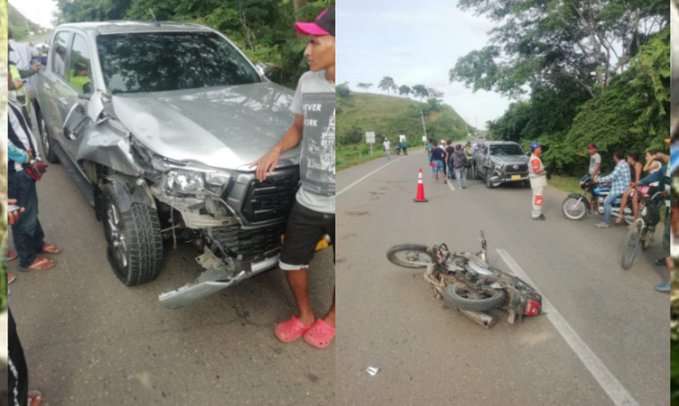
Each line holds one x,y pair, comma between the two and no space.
370,140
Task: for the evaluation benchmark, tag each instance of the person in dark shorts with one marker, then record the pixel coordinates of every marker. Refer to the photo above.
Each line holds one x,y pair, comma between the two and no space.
313,213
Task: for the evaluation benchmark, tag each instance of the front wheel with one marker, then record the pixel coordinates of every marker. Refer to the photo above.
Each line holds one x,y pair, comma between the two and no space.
574,208
410,256
481,300
489,184
135,246
631,245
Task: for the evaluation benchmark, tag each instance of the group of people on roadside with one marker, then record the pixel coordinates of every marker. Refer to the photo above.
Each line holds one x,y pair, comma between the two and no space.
630,177
450,161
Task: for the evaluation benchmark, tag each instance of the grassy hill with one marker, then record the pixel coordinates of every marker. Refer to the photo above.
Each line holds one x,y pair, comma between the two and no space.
20,26
390,116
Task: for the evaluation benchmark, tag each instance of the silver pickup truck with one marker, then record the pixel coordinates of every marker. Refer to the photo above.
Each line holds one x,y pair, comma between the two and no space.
159,125
498,162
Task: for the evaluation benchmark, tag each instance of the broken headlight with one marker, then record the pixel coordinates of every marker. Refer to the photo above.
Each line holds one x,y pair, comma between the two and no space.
183,182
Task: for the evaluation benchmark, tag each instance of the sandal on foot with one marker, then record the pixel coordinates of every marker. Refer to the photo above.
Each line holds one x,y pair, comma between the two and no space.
41,264
34,398
11,255
290,330
320,335
11,277
48,248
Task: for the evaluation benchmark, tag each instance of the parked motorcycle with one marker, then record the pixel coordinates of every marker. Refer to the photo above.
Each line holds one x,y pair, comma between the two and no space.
640,233
466,281
577,205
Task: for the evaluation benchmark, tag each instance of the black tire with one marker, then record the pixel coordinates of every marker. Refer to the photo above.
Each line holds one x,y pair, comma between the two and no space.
630,247
137,257
454,296
45,139
419,249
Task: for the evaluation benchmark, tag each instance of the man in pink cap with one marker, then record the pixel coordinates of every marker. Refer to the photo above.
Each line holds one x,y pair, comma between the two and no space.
313,213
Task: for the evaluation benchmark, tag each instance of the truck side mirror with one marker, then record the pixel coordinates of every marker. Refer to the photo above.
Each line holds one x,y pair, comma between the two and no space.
75,120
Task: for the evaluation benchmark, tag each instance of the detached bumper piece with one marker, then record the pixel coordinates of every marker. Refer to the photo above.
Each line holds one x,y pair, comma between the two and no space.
218,275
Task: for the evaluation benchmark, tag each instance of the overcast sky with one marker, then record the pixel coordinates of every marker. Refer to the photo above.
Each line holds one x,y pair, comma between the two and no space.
39,11
414,42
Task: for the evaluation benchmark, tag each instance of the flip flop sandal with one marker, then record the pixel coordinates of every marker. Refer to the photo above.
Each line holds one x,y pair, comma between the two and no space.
11,277
290,330
50,249
11,255
320,335
41,264
34,398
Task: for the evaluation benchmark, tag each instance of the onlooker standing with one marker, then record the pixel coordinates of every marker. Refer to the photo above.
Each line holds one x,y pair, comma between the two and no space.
27,232
387,147
538,181
450,148
313,213
620,178
437,161
459,165
594,169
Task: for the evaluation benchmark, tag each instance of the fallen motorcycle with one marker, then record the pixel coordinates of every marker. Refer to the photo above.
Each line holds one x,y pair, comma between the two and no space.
640,233
466,281
576,205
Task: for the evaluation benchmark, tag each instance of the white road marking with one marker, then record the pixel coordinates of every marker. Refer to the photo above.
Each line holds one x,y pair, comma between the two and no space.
351,185
608,382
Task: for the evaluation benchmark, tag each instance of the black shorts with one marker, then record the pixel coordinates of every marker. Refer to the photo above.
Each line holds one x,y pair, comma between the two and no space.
305,228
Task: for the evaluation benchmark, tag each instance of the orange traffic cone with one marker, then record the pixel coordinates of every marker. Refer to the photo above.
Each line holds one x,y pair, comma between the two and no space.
419,198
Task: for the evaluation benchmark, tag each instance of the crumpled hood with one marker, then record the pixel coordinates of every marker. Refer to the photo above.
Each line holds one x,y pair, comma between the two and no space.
510,159
225,127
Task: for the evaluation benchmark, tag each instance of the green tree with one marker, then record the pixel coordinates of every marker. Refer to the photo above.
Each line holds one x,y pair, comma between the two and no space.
387,84
420,91
404,90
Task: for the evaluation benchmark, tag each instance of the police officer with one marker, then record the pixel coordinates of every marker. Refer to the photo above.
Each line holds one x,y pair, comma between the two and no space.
538,180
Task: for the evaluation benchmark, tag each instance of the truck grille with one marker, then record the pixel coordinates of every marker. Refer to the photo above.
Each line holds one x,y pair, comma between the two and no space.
271,199
520,168
248,244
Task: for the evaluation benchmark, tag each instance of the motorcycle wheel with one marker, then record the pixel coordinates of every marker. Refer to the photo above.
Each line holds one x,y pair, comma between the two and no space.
462,297
631,246
573,209
410,256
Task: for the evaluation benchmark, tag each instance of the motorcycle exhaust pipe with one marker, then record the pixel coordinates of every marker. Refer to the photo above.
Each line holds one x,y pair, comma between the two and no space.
483,319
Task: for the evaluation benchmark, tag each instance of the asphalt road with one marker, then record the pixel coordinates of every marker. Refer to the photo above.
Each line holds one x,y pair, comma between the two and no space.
431,355
90,340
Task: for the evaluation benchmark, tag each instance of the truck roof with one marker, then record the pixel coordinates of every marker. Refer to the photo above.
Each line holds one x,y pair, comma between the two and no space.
124,27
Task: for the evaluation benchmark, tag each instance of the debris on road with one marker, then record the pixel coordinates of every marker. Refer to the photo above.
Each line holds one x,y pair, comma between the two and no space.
372,371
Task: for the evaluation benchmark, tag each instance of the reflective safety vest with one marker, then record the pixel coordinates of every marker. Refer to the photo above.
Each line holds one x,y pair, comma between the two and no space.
535,167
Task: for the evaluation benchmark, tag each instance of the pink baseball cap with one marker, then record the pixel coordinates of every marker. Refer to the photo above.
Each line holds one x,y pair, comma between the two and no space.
324,24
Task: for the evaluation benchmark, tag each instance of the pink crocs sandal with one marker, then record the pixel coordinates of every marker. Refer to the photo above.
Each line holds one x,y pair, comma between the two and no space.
320,335
290,330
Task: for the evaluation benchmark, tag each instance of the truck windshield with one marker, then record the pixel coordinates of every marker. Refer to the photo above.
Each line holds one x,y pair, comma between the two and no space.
505,149
152,62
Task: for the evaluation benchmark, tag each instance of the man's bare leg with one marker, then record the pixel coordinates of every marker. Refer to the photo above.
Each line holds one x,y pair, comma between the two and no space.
299,284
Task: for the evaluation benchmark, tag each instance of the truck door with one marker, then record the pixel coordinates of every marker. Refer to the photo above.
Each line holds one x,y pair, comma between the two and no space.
52,86
76,88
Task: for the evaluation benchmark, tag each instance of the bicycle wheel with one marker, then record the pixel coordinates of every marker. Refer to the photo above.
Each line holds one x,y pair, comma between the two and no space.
630,247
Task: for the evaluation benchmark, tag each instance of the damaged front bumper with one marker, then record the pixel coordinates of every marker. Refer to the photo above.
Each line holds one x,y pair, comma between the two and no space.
218,275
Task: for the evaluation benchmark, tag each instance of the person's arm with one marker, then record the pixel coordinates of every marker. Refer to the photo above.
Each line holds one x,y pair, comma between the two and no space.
637,173
609,177
16,154
291,138
664,158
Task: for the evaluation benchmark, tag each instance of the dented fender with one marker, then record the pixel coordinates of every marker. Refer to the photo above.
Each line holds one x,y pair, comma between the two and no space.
107,146
126,193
